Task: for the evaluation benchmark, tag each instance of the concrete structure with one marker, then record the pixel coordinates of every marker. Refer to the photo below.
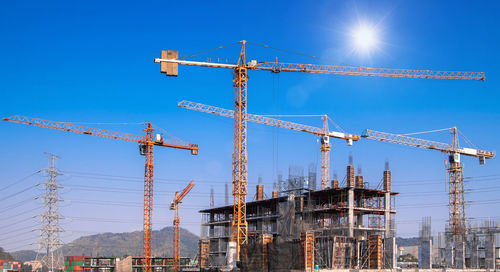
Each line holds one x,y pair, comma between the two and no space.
342,220
425,254
479,248
425,249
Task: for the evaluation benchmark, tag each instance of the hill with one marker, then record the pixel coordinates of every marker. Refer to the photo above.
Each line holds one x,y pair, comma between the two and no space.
5,255
24,255
122,244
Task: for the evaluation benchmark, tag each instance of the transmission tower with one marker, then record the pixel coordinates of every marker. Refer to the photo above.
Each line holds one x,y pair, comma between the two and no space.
49,231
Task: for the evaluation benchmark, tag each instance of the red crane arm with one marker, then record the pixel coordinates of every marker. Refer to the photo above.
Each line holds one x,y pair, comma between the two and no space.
179,197
96,132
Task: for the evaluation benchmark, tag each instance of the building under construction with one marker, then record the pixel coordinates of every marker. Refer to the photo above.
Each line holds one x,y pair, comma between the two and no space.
480,250
347,225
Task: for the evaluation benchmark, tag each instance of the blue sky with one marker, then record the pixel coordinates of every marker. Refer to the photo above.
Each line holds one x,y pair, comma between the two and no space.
92,62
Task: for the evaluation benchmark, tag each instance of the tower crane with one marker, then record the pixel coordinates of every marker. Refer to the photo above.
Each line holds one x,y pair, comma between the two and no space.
174,205
146,144
169,62
324,132
456,223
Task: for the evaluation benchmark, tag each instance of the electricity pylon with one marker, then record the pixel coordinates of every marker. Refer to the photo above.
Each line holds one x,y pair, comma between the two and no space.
50,241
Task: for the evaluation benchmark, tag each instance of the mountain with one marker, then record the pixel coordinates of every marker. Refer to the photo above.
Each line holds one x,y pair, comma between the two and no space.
5,255
123,244
24,255
130,243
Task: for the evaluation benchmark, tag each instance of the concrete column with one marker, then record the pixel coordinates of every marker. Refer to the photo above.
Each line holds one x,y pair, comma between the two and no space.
459,253
490,252
425,254
350,200
387,214
387,202
449,255
474,252
390,252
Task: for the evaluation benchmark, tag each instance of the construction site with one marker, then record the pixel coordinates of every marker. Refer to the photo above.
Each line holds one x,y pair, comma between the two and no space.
338,227
310,220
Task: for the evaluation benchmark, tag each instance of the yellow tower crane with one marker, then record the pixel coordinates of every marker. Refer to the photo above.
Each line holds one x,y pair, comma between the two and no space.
456,223
169,62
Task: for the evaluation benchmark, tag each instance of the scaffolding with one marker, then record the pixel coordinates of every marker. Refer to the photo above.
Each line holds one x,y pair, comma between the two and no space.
303,229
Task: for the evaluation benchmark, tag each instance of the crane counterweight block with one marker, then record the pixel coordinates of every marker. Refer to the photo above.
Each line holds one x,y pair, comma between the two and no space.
194,150
170,69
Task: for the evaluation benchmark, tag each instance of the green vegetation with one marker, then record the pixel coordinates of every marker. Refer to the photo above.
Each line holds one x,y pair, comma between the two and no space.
123,244
5,255
24,255
407,258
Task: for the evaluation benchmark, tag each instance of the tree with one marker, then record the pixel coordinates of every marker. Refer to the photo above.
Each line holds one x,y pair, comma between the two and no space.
5,255
407,258
26,268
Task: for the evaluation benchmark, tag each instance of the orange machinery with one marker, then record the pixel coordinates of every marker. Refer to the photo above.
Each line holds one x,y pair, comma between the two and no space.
146,144
174,205
169,62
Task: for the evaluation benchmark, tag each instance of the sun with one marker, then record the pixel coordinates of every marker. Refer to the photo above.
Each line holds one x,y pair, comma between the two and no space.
365,38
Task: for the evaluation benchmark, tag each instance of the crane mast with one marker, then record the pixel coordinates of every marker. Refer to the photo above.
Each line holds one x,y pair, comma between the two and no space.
174,205
324,133
457,218
169,62
146,145
240,161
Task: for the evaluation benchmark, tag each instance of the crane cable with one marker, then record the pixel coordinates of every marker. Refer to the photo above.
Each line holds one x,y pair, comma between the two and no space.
306,55
443,129
271,47
423,132
210,50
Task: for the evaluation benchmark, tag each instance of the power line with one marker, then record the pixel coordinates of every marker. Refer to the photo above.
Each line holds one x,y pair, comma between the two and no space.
17,235
13,231
22,213
15,223
15,205
17,193
19,181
